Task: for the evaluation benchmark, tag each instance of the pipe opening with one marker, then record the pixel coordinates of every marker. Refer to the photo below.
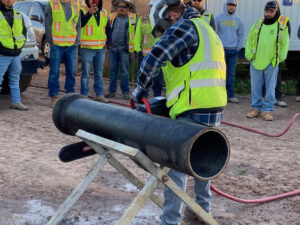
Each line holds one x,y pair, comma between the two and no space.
209,154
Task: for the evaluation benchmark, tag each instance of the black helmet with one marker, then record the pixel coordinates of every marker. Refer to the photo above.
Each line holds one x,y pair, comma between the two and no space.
272,5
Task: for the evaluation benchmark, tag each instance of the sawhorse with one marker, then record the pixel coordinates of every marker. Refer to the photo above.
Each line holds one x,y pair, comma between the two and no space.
106,148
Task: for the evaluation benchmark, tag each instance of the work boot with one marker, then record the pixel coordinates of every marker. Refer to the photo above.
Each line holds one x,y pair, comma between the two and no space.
253,113
280,103
190,216
53,101
298,98
126,96
110,95
101,98
268,116
19,106
233,100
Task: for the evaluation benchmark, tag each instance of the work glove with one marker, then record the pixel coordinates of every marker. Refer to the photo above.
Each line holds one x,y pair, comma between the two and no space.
137,94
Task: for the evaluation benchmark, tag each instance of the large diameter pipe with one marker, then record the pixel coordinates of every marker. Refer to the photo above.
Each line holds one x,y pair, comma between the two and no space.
195,150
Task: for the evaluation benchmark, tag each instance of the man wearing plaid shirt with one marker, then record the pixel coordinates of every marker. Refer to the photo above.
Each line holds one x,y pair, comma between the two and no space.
195,74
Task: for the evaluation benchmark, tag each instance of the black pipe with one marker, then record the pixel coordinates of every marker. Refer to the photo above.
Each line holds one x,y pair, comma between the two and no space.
196,150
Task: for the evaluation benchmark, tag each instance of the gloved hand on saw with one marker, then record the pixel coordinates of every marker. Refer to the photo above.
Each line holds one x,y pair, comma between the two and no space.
137,94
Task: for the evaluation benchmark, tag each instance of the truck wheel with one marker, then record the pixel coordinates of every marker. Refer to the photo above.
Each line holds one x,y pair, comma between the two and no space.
24,83
45,47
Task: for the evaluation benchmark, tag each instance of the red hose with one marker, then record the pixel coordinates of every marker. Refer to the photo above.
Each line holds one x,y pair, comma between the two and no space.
261,200
263,133
212,187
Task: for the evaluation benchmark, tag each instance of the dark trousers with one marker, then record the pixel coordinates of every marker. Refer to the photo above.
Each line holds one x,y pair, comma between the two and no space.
298,86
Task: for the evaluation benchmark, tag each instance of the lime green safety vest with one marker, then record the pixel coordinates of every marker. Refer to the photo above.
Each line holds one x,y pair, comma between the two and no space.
206,17
200,83
253,37
144,40
64,32
131,33
12,37
92,35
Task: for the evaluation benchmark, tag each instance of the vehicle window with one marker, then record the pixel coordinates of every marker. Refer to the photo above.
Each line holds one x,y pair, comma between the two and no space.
23,7
35,10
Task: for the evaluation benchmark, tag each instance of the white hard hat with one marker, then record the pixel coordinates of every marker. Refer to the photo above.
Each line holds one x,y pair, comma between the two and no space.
126,1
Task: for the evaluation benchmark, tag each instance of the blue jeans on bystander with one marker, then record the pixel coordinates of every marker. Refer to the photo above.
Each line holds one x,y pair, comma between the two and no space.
70,57
119,59
89,57
13,66
258,78
231,56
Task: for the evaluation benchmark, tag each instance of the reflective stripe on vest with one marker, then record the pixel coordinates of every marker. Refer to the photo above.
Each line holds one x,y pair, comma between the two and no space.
64,32
12,37
201,82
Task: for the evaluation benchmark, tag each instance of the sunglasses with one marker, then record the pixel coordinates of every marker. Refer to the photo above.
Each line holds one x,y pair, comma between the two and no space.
197,0
122,6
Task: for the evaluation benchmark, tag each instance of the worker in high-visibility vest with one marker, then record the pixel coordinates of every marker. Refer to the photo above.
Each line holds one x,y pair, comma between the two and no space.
267,45
205,15
143,42
12,39
62,28
192,57
93,41
120,41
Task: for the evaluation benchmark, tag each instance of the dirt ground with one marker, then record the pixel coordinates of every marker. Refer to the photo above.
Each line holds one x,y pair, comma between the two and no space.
34,182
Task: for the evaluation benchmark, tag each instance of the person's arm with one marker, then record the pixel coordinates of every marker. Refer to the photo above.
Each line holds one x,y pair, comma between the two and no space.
285,45
84,17
248,48
108,34
240,34
78,30
177,38
213,23
24,29
48,23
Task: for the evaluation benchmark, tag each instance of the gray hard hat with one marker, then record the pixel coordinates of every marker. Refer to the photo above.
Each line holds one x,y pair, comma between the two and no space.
231,2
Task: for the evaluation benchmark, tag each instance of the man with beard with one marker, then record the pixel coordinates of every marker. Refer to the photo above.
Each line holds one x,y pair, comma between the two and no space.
267,45
93,40
231,32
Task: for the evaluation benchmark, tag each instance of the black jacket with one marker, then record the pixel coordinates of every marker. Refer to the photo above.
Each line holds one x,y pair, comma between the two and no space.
9,16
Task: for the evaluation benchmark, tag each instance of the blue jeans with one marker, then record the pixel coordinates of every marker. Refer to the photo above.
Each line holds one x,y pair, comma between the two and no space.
158,81
88,57
172,204
70,57
258,78
11,64
231,56
119,59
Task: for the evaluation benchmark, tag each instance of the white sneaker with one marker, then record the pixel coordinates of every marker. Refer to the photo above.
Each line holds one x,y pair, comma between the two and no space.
280,103
298,98
233,100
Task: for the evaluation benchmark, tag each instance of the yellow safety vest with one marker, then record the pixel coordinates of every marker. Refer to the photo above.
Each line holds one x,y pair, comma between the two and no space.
252,41
92,35
131,22
12,37
144,40
206,17
64,32
201,82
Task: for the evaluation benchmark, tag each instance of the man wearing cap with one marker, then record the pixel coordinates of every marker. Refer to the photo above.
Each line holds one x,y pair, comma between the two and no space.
205,15
267,45
143,42
93,41
194,70
62,27
231,32
120,37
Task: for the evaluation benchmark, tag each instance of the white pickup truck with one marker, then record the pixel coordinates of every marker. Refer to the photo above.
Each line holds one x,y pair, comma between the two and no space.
30,60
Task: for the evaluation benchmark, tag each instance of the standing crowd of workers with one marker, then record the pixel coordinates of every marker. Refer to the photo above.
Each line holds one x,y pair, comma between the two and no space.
195,54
